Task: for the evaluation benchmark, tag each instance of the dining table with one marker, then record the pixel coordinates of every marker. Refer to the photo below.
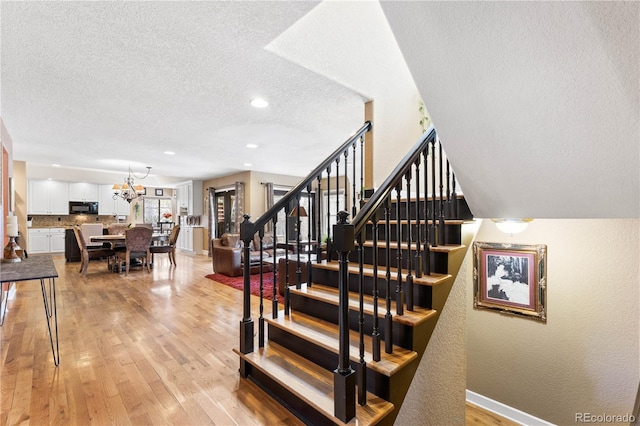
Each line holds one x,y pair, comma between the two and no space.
119,240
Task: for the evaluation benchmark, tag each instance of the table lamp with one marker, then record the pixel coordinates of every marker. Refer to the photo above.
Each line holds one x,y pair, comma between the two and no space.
10,254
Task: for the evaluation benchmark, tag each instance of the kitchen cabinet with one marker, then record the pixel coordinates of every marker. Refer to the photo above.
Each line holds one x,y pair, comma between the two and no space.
190,239
46,240
189,198
81,191
108,206
47,197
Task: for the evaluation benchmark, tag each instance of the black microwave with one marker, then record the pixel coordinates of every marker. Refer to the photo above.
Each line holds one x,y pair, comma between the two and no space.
83,207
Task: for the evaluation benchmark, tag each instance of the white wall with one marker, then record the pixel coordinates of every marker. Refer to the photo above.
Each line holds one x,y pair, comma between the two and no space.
586,357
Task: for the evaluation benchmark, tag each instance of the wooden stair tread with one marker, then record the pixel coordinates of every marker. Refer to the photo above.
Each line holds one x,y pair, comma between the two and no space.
325,334
403,199
431,280
311,383
330,295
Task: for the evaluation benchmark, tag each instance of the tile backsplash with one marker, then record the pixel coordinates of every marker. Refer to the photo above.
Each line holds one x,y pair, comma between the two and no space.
45,221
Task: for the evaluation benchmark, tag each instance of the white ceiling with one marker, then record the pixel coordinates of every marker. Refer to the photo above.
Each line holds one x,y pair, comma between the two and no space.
101,85
537,103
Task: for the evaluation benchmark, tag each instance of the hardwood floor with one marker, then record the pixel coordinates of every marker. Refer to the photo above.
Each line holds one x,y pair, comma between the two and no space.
150,348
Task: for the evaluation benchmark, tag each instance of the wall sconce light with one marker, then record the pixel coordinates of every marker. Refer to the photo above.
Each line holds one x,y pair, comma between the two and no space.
512,226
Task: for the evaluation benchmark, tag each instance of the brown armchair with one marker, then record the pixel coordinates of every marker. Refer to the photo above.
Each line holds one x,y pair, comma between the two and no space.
227,254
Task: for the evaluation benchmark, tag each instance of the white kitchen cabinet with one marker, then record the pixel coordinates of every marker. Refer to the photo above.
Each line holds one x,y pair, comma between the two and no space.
108,206
81,191
46,240
189,198
47,197
190,239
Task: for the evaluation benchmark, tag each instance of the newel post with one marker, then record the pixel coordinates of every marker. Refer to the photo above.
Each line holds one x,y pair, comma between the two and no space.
344,377
246,324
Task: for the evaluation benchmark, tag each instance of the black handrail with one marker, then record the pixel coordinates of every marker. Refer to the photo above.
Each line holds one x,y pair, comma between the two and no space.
318,171
381,194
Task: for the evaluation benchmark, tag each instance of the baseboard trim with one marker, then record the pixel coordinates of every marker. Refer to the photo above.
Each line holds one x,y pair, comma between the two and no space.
504,410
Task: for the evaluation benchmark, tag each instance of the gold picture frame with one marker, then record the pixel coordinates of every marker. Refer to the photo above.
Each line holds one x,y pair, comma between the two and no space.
511,279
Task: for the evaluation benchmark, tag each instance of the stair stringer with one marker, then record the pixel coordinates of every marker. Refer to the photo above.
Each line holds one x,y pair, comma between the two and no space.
423,333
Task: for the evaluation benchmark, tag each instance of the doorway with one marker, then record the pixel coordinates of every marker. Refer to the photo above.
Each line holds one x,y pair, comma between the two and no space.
224,212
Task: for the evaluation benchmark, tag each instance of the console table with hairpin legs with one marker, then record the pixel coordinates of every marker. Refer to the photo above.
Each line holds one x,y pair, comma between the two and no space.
33,268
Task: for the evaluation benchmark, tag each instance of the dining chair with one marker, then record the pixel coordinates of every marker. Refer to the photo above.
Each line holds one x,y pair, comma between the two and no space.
137,241
169,248
88,253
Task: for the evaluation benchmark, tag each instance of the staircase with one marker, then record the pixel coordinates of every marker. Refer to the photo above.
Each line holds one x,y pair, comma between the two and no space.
346,345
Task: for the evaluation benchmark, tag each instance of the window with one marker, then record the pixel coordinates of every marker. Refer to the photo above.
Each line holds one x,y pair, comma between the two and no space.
155,208
308,203
328,204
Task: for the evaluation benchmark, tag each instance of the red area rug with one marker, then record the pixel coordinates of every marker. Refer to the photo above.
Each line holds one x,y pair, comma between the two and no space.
238,284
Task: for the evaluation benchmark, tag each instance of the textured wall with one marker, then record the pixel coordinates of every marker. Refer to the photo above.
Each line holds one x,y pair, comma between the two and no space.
435,396
586,357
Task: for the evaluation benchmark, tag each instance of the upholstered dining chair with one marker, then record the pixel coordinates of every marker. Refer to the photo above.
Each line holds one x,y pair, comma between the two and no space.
169,248
88,253
137,241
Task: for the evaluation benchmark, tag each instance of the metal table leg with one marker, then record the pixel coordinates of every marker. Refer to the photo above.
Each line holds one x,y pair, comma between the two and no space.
50,310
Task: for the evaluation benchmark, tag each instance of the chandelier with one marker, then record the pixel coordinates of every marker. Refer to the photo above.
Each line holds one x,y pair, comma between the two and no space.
129,191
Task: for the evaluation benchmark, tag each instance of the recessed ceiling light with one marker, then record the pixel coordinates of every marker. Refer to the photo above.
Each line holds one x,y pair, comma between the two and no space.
259,103
170,153
55,165
248,164
251,145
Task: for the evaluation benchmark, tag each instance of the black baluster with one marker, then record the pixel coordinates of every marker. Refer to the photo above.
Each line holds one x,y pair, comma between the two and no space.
375,334
441,235
399,290
418,255
298,222
329,248
287,295
353,185
319,219
456,210
426,254
447,192
309,250
409,278
274,301
388,317
433,232
261,306
362,371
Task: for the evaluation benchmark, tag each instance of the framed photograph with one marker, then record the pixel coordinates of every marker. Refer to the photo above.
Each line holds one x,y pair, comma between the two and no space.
511,279
159,192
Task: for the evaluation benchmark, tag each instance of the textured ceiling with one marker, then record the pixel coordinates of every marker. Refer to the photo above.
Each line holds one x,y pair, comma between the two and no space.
537,103
101,85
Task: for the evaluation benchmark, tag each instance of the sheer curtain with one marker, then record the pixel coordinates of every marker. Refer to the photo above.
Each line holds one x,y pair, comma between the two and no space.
238,206
268,196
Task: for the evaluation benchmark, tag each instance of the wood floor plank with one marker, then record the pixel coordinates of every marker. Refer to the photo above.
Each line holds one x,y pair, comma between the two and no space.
118,339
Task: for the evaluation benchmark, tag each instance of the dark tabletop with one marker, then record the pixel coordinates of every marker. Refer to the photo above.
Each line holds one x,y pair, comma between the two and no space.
31,268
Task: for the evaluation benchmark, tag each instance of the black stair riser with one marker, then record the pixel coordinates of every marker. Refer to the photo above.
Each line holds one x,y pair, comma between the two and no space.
421,293
436,259
376,383
463,209
453,232
299,408
402,334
